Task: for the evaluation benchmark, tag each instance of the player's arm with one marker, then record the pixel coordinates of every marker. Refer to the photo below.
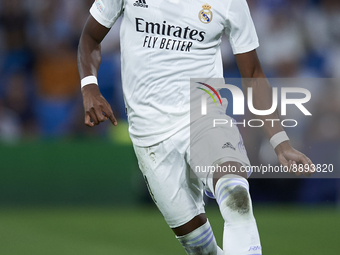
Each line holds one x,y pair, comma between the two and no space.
89,58
251,70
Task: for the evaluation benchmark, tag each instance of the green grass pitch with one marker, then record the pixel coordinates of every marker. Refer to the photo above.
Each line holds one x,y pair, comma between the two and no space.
142,231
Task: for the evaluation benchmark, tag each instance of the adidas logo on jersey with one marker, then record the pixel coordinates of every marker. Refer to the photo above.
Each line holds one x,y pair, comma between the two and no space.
228,145
141,3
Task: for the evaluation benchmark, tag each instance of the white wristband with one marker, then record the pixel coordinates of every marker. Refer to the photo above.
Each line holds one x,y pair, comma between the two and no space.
89,80
278,138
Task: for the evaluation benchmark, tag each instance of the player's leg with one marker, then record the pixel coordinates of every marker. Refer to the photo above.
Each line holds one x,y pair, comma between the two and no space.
197,237
222,150
178,197
183,209
240,236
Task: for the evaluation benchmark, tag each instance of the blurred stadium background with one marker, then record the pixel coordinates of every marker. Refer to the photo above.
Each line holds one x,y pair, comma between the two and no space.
68,189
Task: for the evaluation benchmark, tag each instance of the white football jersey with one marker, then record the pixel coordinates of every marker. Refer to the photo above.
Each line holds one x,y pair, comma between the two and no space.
164,43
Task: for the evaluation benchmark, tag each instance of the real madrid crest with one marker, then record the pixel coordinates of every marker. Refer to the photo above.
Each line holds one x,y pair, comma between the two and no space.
205,15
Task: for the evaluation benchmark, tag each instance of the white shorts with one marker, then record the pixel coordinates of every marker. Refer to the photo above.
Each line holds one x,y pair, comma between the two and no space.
169,173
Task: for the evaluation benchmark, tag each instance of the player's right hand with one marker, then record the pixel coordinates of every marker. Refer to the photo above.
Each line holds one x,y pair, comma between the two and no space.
289,157
97,109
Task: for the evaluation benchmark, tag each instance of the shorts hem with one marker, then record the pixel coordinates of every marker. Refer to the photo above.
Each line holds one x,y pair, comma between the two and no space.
182,222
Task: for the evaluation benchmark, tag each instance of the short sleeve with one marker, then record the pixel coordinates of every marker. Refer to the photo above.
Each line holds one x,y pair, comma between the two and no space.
240,27
106,12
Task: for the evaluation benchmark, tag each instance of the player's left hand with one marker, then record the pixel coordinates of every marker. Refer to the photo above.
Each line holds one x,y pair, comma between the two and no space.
293,159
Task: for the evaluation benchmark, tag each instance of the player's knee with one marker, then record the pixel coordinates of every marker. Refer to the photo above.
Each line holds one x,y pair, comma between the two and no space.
238,200
233,197
201,241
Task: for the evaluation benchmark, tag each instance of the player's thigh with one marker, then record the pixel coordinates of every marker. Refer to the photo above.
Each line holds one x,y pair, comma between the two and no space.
167,175
218,151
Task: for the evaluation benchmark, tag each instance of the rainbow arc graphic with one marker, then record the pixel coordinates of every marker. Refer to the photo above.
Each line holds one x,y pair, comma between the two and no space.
209,93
